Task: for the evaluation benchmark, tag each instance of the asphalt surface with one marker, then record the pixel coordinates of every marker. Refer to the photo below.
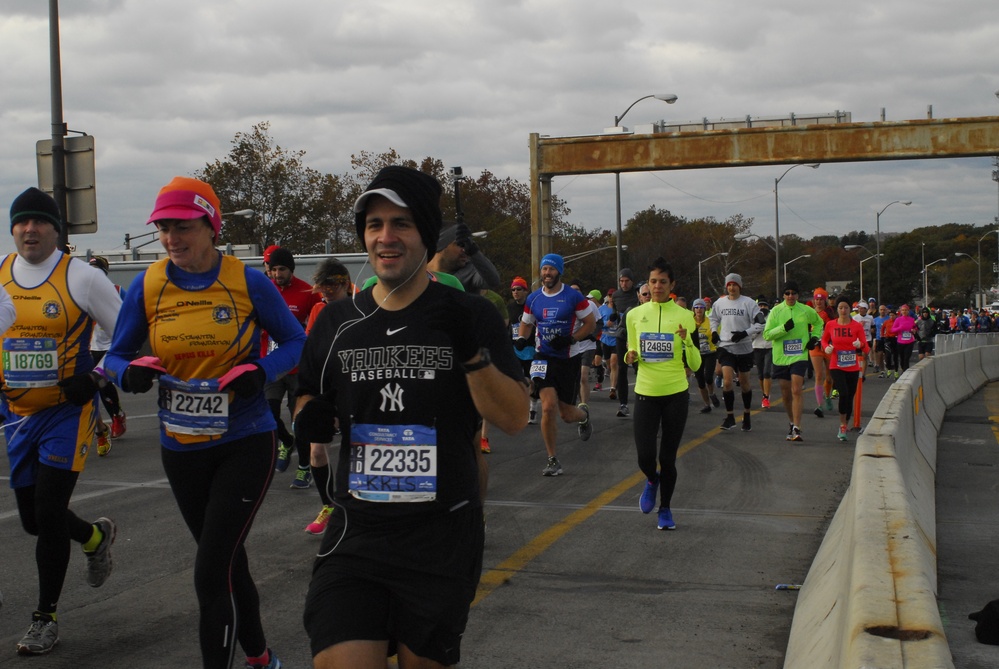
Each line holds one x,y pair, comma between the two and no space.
575,575
967,535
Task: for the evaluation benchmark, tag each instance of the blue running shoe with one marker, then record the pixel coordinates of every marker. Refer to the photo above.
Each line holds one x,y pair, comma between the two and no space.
647,501
666,519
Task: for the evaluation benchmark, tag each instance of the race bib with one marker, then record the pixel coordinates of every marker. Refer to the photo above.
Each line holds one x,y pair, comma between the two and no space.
30,362
906,337
393,463
792,347
193,407
656,346
539,369
846,358
704,344
515,330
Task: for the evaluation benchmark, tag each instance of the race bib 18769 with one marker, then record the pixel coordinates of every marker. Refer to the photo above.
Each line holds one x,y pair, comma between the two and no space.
30,362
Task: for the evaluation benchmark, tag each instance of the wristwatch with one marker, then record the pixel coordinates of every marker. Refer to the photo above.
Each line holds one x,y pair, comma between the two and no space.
484,361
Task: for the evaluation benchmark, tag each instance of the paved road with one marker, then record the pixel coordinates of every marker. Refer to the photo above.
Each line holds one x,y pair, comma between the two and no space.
575,575
967,462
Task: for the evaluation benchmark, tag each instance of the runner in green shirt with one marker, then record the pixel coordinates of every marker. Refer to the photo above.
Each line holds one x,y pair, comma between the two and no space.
794,328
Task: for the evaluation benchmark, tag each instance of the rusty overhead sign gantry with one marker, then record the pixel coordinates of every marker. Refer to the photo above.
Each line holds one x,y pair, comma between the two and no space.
744,147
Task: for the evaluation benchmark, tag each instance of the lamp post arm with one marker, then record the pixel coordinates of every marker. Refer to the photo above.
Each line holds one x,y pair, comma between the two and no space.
617,119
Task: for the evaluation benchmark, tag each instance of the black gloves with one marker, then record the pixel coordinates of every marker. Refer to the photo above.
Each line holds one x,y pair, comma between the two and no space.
812,343
81,388
715,338
138,379
520,343
561,342
245,380
739,335
789,325
315,422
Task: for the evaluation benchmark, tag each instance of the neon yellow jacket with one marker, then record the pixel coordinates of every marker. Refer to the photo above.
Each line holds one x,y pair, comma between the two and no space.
652,334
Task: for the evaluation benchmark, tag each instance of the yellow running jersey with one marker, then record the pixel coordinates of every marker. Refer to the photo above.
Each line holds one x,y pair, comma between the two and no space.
49,341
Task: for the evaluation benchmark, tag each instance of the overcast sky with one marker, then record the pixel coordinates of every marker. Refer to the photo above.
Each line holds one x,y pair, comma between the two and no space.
164,86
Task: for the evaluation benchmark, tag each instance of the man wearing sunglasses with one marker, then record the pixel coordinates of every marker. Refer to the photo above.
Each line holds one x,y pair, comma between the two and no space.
790,327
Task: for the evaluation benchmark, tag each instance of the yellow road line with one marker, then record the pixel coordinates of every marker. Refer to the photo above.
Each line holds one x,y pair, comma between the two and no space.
992,407
499,575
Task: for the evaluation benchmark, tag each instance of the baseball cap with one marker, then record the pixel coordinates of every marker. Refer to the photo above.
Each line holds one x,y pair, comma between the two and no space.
186,199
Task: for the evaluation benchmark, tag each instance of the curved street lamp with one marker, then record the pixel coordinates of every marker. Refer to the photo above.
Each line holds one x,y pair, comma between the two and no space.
576,256
668,98
700,289
877,236
807,255
979,263
852,247
814,166
926,297
981,297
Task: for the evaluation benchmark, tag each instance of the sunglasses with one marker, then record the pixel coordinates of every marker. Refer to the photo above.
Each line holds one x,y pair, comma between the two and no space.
790,292
518,288
646,294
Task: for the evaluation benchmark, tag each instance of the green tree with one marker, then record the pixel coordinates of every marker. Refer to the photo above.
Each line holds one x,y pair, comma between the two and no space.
274,182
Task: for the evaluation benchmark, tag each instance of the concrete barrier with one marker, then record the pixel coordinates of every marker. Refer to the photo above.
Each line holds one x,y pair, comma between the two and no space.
869,599
952,383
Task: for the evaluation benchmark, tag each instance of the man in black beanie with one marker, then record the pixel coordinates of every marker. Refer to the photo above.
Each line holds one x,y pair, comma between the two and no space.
407,367
51,400
625,298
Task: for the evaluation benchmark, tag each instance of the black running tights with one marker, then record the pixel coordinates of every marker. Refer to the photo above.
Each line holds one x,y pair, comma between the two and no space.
44,511
219,490
670,413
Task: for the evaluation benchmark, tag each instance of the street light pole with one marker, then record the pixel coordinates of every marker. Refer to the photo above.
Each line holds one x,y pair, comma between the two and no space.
862,275
807,255
877,236
979,263
777,224
668,98
980,300
926,290
700,289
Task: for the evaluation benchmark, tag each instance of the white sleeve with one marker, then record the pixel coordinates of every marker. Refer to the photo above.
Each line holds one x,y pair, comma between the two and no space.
7,313
95,293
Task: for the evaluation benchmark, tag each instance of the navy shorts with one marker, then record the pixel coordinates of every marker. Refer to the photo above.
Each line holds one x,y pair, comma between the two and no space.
799,368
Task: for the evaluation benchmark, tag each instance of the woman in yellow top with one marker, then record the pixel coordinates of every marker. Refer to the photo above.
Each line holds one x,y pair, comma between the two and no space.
709,354
661,338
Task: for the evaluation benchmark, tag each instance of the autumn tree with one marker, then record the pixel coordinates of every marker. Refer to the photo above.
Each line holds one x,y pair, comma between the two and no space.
273,182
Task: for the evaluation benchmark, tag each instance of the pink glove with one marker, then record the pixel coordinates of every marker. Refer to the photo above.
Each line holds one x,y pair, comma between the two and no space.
150,361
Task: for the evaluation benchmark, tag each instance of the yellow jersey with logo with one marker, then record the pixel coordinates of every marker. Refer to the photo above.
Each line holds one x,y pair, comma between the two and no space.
202,334
49,341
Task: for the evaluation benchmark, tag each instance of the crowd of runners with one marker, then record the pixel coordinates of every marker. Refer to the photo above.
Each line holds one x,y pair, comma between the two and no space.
382,397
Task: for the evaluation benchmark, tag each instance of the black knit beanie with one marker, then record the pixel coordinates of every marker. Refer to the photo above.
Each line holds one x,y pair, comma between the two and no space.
418,191
34,203
282,257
